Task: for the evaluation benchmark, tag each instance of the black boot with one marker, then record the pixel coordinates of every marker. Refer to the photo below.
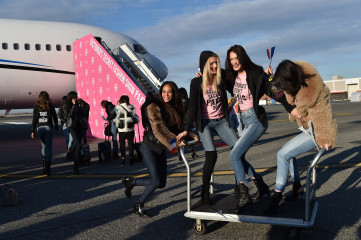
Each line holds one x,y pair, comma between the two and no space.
129,184
205,195
276,202
297,190
140,210
237,193
244,199
76,167
47,168
262,188
44,170
209,163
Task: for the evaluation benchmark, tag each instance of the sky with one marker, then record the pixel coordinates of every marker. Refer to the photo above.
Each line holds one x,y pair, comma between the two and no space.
326,33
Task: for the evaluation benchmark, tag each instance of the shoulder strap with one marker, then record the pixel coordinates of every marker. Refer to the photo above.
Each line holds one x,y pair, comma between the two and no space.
131,115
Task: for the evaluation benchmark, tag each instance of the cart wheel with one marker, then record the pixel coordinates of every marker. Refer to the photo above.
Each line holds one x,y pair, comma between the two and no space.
200,229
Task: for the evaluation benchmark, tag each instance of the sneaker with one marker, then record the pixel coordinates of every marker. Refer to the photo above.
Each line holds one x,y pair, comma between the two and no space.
140,210
128,182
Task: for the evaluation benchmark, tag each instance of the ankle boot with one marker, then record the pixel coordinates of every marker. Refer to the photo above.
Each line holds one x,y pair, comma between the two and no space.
262,188
140,210
129,184
47,168
276,202
244,199
297,190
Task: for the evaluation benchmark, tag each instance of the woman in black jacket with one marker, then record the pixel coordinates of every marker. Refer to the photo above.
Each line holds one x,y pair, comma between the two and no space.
44,120
248,83
74,116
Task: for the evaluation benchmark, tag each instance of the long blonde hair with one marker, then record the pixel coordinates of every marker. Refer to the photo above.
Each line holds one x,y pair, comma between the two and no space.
207,76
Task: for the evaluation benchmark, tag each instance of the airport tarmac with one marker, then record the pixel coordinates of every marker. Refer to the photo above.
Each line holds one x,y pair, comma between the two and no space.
93,205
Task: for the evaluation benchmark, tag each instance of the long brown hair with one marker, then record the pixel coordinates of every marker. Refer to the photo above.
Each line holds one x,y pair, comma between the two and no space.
174,104
44,102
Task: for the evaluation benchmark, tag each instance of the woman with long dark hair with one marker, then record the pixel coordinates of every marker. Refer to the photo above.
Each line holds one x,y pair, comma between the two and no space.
74,116
162,119
305,89
248,83
44,120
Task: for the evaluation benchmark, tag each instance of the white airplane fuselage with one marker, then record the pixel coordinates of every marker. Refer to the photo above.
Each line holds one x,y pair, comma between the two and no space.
25,70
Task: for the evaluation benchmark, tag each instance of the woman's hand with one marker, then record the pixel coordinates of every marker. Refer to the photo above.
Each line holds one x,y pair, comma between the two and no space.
32,135
295,113
73,100
327,146
199,74
181,135
269,71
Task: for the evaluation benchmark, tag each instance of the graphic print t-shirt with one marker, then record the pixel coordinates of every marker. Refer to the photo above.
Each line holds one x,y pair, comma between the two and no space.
43,117
242,93
212,105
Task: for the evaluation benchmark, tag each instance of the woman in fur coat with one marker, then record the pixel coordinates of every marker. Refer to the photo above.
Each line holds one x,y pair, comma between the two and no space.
305,89
163,119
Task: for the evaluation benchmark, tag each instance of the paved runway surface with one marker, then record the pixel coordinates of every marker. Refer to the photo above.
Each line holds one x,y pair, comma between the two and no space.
93,205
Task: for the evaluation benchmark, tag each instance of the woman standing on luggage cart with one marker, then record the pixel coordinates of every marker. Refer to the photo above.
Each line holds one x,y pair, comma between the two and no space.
162,120
209,108
248,83
44,120
124,120
110,110
74,116
304,88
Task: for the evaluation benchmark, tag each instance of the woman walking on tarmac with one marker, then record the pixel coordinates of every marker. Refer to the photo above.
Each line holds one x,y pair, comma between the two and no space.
209,108
248,83
304,88
162,118
74,116
125,120
44,120
111,114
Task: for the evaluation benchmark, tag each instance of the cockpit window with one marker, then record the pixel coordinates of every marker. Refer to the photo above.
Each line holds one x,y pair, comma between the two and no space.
139,49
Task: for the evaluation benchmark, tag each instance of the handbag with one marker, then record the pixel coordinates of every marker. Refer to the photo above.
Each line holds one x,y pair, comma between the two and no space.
69,122
11,197
108,130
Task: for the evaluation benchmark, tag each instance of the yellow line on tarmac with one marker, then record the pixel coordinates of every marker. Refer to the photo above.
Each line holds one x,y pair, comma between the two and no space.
179,174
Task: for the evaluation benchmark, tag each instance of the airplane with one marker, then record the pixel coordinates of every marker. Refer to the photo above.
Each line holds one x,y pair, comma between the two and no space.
38,56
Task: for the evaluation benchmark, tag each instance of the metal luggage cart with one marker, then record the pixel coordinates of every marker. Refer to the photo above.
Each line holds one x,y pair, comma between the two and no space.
301,213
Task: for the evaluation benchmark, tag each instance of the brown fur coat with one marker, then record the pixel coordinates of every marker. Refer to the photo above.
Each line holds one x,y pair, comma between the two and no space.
313,104
160,127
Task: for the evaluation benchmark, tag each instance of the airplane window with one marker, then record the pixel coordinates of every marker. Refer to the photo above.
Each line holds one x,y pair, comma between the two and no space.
27,46
37,47
58,47
48,47
139,49
5,46
68,48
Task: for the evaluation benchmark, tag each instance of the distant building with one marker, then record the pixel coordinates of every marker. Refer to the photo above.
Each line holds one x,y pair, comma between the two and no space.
342,89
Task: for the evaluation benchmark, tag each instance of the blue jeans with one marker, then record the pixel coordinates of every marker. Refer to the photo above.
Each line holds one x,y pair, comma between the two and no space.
68,138
221,127
286,158
157,167
46,139
252,131
114,131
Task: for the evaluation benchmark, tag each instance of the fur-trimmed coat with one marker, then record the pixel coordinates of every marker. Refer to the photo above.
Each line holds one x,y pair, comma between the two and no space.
161,129
313,104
